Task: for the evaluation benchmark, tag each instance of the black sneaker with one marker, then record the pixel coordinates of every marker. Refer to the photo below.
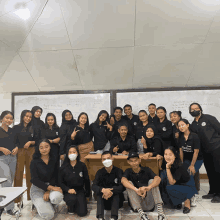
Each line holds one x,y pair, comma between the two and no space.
13,212
70,210
208,196
216,199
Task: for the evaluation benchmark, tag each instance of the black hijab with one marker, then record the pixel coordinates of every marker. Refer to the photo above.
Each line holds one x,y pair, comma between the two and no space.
64,121
36,122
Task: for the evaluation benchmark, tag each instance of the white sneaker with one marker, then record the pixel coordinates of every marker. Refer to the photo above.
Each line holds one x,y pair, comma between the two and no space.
193,201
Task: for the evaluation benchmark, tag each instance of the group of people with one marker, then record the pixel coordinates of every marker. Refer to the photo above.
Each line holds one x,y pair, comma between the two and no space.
180,147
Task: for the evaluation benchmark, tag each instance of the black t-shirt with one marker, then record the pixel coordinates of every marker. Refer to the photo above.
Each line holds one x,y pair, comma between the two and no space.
139,179
188,146
129,144
208,130
154,146
153,120
139,130
133,121
180,174
101,135
7,139
74,178
103,179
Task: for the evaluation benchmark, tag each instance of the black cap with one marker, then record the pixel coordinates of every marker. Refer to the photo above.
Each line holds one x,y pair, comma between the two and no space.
132,154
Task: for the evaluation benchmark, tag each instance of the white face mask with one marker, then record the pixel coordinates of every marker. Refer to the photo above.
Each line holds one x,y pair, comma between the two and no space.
107,162
72,156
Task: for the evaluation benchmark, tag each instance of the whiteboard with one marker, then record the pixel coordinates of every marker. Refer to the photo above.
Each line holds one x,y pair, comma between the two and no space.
173,100
76,103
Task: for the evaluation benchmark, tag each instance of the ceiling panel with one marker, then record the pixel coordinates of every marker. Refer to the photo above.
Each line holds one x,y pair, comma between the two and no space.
49,32
52,70
173,22
17,78
14,29
111,66
99,23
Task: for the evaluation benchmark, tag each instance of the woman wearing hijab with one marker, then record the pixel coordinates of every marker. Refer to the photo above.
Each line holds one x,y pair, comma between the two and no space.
67,126
37,124
81,136
75,183
153,146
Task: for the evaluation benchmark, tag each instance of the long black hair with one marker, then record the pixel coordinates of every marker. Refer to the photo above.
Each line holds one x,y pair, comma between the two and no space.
37,153
186,122
100,113
55,121
162,108
67,160
177,161
23,113
87,122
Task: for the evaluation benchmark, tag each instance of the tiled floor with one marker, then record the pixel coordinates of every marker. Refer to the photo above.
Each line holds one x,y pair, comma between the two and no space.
205,210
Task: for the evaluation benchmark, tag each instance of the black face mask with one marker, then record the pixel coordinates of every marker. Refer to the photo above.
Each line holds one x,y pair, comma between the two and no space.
195,113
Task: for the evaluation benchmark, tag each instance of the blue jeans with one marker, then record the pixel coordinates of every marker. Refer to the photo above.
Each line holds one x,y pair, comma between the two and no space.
7,170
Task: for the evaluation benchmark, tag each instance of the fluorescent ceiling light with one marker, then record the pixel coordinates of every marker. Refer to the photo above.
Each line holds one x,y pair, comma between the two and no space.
23,13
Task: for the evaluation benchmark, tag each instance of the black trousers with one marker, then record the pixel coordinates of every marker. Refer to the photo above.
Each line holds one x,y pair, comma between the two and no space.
212,166
113,204
77,202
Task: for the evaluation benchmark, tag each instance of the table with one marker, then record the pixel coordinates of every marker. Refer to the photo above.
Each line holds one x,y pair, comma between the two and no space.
94,163
9,194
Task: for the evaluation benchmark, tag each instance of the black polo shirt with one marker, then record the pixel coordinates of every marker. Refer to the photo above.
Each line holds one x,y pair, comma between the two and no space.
153,120
103,179
180,174
139,179
165,131
116,125
139,130
188,146
7,139
154,146
208,130
129,144
24,134
74,178
42,173
132,121
101,135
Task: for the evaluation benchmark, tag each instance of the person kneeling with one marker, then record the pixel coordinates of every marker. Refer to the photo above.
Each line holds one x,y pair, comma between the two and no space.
44,178
73,179
142,186
108,188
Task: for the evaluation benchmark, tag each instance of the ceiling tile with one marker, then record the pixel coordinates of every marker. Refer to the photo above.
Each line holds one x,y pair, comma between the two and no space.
112,66
13,29
17,78
11,5
49,32
170,22
52,70
99,23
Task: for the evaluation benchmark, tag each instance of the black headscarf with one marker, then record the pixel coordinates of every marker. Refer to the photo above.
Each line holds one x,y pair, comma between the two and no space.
64,121
36,122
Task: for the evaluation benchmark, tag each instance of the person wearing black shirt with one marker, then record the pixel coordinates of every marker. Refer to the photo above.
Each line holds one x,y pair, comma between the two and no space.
130,117
190,152
67,126
208,129
45,189
51,132
142,186
152,118
75,183
175,117
80,136
108,188
124,143
164,126
101,130
37,124
8,151
140,128
116,120
153,146
177,185
25,139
